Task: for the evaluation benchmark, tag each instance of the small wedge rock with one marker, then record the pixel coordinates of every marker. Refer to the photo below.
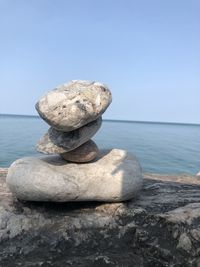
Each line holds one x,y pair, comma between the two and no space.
74,104
84,153
59,142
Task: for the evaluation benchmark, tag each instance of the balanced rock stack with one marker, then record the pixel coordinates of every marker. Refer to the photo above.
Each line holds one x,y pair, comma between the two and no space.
80,171
74,112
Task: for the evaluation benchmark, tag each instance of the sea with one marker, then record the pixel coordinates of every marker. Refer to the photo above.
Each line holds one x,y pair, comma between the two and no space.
165,148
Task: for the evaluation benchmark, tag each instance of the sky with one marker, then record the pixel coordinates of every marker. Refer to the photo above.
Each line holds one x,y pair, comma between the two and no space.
146,51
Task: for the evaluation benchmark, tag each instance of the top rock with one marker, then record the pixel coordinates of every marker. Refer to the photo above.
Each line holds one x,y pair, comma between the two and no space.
74,104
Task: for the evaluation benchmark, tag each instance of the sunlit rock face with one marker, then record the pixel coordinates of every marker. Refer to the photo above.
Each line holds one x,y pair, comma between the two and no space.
114,176
74,104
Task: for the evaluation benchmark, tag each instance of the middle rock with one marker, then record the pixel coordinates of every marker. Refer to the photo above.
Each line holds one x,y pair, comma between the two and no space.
60,142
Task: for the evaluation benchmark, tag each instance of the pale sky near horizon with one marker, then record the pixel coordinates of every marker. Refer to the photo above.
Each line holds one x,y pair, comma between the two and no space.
146,51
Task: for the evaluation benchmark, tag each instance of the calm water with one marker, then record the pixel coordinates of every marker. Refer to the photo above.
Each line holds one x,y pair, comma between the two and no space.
161,148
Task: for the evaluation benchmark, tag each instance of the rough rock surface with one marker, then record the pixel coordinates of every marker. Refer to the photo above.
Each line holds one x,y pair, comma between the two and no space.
74,104
59,142
161,228
115,176
82,154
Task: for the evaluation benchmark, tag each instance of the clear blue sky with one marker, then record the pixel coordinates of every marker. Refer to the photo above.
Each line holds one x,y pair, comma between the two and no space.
146,51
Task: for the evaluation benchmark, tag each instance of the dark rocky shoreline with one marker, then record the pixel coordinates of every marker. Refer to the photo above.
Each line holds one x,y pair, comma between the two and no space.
159,228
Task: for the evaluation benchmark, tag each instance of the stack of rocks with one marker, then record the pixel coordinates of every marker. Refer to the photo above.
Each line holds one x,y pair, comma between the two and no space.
80,172
74,112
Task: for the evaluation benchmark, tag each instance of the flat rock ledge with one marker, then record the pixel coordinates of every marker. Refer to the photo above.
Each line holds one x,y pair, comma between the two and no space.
161,227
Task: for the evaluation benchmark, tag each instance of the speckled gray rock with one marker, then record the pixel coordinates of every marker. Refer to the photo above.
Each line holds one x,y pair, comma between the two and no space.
74,104
115,176
59,142
84,153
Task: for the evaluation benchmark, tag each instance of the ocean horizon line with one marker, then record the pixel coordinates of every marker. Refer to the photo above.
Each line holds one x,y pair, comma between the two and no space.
112,120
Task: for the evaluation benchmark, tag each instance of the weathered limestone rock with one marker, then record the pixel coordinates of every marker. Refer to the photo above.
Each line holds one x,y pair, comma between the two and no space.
115,176
74,104
160,227
60,142
84,153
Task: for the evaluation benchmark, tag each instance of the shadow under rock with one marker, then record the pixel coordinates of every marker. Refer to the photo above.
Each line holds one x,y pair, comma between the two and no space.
59,207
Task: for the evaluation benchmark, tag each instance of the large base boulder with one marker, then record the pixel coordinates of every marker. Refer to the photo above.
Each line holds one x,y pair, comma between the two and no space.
114,176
